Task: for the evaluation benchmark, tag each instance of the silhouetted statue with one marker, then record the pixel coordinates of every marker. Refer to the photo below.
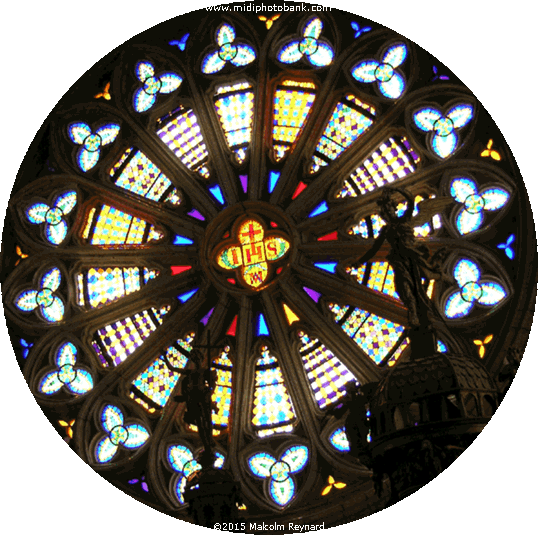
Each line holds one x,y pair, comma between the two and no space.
411,260
196,393
355,406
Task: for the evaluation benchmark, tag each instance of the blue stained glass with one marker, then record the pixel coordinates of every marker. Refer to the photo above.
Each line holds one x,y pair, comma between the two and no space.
217,193
262,329
441,347
182,240
320,209
327,266
339,441
26,346
186,296
273,179
507,246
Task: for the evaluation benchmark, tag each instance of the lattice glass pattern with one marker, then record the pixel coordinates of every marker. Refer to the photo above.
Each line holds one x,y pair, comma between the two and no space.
102,285
235,109
152,387
378,276
375,335
272,410
108,225
115,342
291,106
349,120
181,133
326,374
393,160
141,176
222,391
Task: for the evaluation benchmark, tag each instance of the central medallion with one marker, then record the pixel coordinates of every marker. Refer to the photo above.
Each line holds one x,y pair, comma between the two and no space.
253,247
251,250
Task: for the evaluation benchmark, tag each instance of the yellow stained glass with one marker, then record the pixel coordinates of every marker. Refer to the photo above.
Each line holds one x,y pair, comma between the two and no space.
252,252
290,315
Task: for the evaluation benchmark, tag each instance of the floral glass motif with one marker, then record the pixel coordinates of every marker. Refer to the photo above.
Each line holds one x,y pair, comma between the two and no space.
75,380
472,290
53,216
50,306
81,134
443,128
136,173
118,434
236,53
278,474
253,252
317,51
182,460
145,96
507,246
475,203
390,81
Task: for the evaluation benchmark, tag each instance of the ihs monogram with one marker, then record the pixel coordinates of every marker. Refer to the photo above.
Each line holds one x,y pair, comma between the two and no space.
251,252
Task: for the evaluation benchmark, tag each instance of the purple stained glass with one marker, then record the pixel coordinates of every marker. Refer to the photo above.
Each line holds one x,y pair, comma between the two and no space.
244,182
312,293
205,319
196,214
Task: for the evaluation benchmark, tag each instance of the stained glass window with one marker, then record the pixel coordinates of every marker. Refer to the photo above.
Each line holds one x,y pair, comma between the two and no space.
393,160
98,286
181,133
107,226
235,109
136,173
115,342
349,120
225,181
152,387
326,373
272,410
222,390
291,105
